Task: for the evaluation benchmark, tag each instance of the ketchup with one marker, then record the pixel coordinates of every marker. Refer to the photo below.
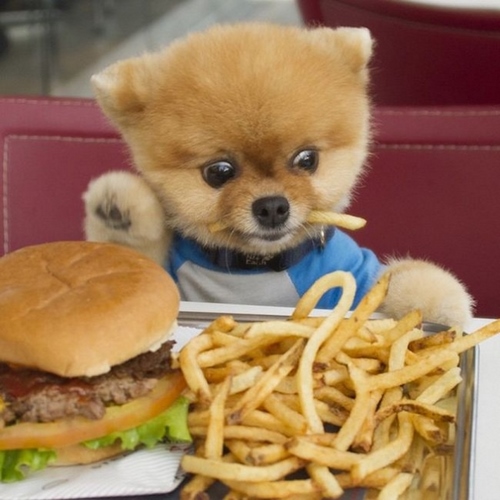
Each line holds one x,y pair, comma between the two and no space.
17,383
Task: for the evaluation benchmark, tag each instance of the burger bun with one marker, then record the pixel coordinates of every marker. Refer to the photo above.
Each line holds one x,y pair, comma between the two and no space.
77,308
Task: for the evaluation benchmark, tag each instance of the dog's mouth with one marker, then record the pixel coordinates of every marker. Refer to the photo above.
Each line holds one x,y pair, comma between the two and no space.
266,239
270,226
272,237
261,235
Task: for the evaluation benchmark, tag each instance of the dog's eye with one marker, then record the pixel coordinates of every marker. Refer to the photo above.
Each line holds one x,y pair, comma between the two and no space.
218,173
307,160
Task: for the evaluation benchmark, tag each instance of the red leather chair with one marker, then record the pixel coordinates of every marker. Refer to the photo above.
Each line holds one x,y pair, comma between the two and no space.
50,149
432,189
427,52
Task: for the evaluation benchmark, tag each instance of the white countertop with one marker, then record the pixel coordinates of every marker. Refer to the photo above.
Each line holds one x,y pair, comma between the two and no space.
485,473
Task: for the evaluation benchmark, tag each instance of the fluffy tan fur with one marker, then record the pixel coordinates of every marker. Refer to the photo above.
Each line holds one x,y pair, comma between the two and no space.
255,94
142,211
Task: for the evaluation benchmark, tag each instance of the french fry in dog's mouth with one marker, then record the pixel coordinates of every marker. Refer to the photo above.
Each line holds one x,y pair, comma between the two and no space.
215,227
345,221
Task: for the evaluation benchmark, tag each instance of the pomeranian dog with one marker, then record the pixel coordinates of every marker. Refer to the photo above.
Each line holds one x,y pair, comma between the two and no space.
251,128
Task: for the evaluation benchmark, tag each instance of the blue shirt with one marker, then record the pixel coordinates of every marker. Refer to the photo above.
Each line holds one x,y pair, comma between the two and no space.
200,280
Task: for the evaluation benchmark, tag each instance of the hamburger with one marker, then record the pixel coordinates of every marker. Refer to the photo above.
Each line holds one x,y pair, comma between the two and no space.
85,356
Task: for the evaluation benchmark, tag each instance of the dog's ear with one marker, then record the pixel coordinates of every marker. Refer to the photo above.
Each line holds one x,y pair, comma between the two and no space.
354,45
121,89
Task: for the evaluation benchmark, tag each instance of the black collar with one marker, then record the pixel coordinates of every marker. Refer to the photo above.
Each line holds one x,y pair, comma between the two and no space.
232,259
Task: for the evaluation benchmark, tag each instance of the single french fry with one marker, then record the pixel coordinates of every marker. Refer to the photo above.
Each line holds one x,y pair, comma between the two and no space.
347,433
280,328
408,322
223,323
468,341
239,472
305,370
377,479
196,487
435,340
214,441
364,438
217,226
368,365
256,434
409,373
396,486
399,349
335,219
427,410
267,454
240,449
216,375
327,482
309,300
323,439
245,380
275,489
388,454
191,370
440,387
375,351
265,420
325,455
221,339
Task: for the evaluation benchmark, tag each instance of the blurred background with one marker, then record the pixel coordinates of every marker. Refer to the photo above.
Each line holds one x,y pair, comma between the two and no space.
52,47
427,52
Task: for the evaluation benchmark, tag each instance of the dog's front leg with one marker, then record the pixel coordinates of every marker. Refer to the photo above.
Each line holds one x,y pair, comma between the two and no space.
120,207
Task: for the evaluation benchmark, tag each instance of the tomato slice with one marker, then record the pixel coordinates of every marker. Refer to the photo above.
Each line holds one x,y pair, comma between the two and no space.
76,430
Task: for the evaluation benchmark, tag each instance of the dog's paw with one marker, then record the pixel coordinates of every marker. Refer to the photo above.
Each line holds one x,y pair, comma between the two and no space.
120,207
438,294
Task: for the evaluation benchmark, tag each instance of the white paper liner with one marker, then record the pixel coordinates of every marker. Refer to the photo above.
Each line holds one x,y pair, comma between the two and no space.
143,472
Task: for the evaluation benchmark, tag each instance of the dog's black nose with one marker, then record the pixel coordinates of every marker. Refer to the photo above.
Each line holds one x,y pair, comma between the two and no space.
271,211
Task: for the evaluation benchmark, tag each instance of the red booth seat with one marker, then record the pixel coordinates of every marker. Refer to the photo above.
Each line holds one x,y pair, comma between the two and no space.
431,191
427,52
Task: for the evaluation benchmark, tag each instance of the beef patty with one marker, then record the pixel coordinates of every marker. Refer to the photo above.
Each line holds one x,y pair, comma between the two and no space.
35,396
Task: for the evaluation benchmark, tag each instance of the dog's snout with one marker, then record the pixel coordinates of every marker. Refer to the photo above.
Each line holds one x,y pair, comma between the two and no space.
271,211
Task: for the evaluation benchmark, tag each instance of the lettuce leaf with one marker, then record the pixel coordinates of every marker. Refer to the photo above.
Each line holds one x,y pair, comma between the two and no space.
170,425
16,464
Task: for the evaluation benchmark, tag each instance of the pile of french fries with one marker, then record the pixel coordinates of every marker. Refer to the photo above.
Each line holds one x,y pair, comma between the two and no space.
309,407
